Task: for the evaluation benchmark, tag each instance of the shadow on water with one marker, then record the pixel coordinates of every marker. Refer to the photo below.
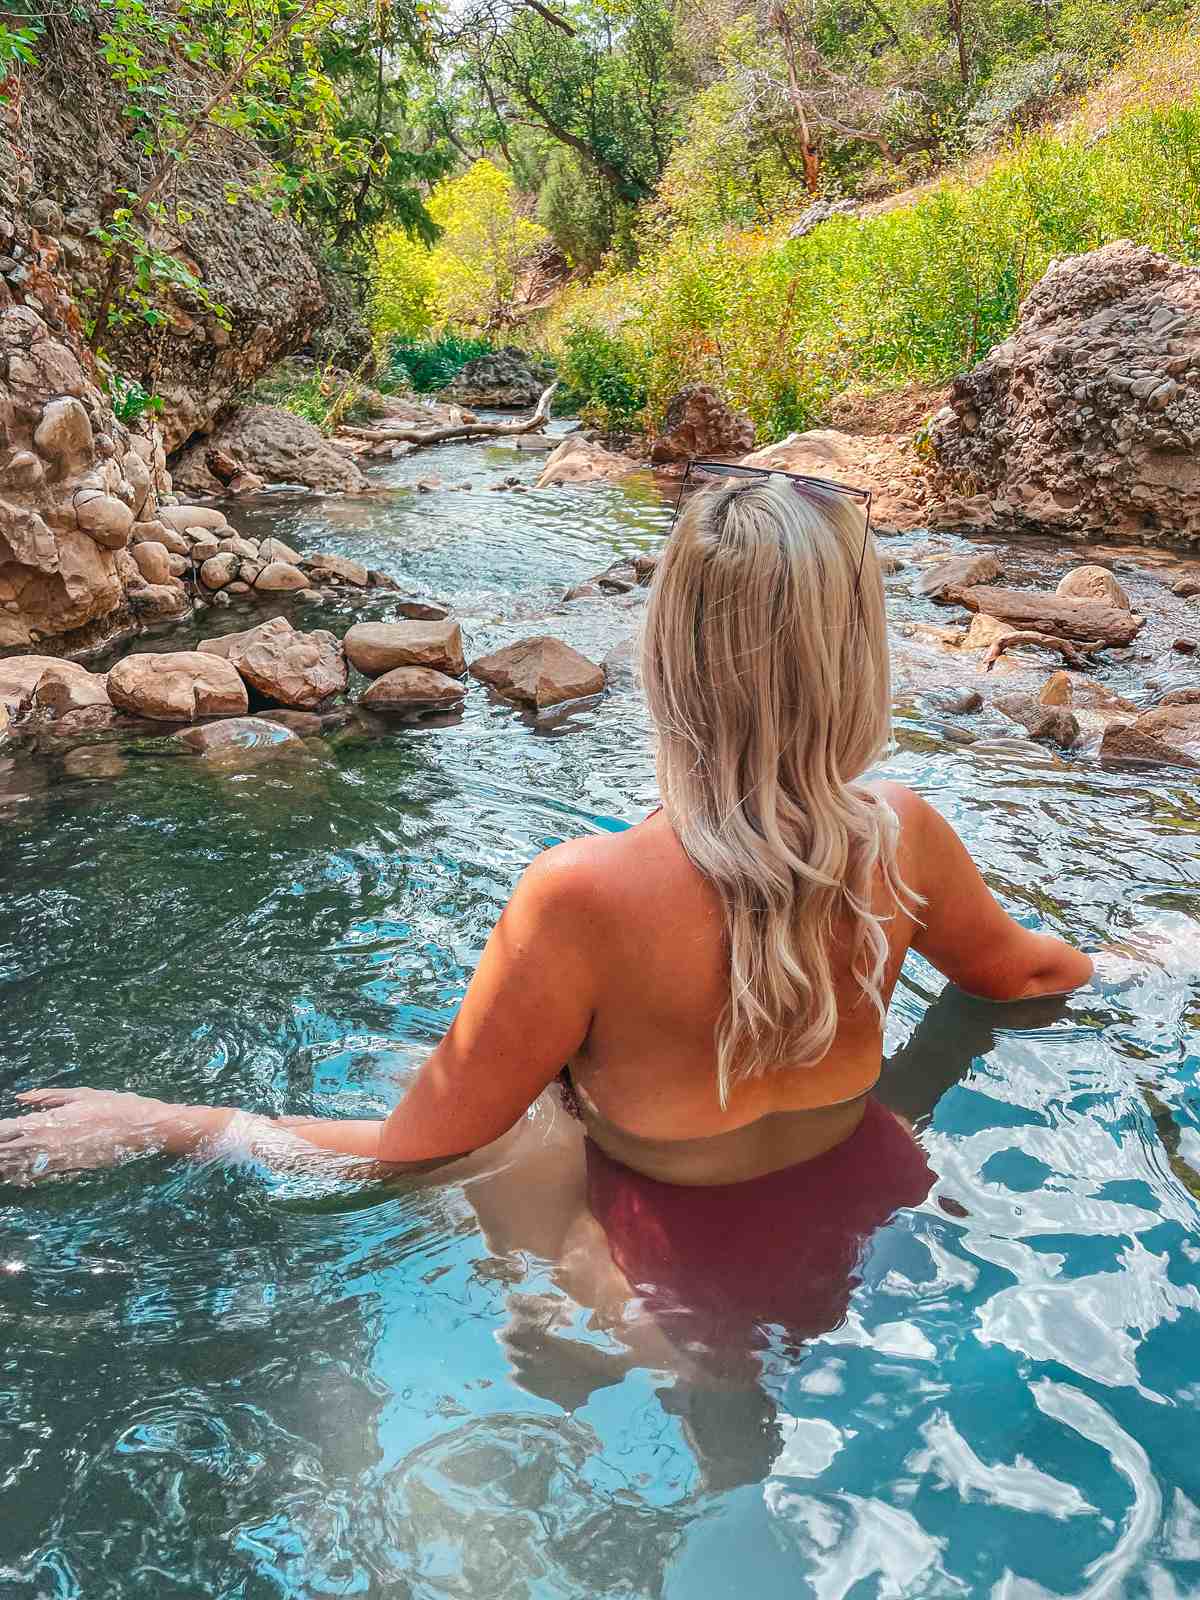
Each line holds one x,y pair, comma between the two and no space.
234,1378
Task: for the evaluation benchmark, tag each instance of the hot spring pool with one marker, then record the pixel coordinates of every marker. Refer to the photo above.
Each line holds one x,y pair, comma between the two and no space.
223,1381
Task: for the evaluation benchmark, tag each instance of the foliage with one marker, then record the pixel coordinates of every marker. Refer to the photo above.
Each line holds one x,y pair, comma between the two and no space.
325,395
130,401
468,278
426,368
912,294
604,379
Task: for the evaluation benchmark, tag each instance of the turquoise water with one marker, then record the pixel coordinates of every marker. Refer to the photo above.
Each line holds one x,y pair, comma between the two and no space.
224,1380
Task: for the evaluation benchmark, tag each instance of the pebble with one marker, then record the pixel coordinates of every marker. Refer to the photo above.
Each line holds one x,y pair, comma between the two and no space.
1185,647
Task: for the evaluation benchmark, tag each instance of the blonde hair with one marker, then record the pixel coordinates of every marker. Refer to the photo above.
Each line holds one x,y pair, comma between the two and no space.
765,661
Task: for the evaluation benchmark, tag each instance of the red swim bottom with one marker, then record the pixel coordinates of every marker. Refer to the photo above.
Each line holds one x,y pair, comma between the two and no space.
716,1266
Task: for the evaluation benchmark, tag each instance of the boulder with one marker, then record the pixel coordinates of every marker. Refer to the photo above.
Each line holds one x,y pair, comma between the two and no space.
66,687
985,631
20,676
301,670
886,463
108,520
958,572
158,532
192,519
540,672
245,549
699,423
578,460
273,549
219,570
422,610
1053,723
1167,733
276,445
1187,587
153,561
1083,693
325,565
507,379
1093,583
376,648
406,687
279,577
1085,420
177,686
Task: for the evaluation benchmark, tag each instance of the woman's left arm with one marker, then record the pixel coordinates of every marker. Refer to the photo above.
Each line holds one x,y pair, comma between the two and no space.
526,1012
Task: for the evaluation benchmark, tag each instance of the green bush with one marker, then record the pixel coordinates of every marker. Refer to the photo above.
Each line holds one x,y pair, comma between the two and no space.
130,401
603,378
426,368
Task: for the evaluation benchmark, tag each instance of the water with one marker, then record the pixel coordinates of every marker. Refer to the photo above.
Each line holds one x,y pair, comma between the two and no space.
220,1379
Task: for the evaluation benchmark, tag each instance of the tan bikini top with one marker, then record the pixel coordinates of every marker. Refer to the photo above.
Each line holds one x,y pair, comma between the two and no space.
768,1144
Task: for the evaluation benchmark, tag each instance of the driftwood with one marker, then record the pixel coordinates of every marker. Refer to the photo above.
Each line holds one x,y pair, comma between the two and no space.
460,430
1055,615
1075,655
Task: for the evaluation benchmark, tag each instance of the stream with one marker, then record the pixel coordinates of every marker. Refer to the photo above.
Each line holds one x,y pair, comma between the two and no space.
224,1380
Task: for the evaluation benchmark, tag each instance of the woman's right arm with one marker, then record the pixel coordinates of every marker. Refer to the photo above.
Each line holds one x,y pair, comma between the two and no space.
967,934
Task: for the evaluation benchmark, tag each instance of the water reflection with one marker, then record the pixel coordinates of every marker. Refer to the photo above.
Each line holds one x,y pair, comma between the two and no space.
246,1378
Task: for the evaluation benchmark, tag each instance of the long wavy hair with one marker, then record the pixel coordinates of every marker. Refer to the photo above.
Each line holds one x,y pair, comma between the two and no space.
765,662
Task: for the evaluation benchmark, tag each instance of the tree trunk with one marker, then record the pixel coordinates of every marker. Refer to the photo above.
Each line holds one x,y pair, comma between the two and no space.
461,430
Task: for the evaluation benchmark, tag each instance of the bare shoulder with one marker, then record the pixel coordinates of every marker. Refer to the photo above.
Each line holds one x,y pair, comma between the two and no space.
594,870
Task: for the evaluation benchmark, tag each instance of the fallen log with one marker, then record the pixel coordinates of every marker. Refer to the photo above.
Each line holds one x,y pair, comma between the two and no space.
1059,616
460,430
1075,655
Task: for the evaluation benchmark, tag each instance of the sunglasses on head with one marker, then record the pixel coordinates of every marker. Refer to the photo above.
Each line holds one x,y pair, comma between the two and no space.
714,472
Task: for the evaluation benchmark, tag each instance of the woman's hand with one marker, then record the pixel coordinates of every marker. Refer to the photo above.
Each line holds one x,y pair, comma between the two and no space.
75,1130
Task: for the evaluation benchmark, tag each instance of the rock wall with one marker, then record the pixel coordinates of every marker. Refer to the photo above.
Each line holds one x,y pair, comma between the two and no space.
1086,421
74,483
77,150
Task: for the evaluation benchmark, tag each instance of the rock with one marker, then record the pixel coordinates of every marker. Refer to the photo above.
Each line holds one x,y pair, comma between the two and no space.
540,672
1055,724
108,520
238,586
204,549
273,549
958,572
240,740
153,561
1085,420
405,687
235,545
1082,620
277,446
379,647
985,632
191,519
293,669
219,570
503,379
304,724
1093,583
1185,647
279,577
158,532
64,435
588,590
699,423
422,610
97,763
959,702
622,664
177,686
20,676
1182,697
66,687
1187,588
1080,692
1167,733
886,463
579,461
169,599
325,564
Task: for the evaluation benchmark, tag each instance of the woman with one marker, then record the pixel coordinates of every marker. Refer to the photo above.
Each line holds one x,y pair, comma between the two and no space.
715,978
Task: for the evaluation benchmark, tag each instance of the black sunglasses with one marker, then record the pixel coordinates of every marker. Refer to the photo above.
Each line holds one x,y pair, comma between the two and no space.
715,471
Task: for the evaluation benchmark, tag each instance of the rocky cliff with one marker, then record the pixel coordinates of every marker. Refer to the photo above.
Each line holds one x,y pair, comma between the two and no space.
77,152
1086,421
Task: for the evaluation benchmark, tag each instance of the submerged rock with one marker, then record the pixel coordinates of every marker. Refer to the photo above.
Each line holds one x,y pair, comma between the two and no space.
1168,733
177,686
958,572
540,672
578,460
379,647
1055,724
240,739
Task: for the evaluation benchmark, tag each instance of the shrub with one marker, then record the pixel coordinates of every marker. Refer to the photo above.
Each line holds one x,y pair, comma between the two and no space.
604,380
425,368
